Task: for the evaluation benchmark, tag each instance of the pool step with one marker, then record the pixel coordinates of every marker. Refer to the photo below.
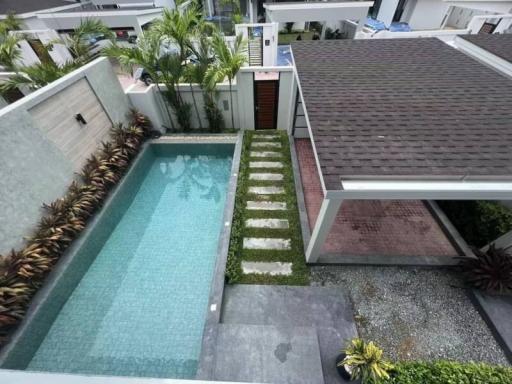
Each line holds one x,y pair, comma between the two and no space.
265,154
275,268
265,164
266,206
266,176
267,243
266,190
267,223
261,144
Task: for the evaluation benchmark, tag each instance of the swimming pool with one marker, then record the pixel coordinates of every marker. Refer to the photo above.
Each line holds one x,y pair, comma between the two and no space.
140,307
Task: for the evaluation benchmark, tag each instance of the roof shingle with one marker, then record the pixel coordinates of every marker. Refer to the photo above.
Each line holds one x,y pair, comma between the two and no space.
499,45
412,108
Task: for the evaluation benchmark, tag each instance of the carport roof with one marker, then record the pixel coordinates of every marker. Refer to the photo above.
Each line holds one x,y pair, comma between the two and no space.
497,44
413,109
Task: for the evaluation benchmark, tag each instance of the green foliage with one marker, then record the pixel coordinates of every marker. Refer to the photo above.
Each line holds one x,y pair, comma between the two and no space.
479,222
447,372
366,361
24,271
490,271
77,42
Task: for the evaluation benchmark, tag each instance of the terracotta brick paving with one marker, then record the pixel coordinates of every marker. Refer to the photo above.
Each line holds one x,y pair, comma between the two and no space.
373,227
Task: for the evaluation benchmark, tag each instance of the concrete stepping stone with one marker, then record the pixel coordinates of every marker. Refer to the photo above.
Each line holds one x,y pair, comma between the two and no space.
262,144
267,223
265,164
266,190
266,176
266,137
265,154
267,243
267,268
266,206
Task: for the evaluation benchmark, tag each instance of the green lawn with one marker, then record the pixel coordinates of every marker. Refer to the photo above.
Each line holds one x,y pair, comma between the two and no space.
300,275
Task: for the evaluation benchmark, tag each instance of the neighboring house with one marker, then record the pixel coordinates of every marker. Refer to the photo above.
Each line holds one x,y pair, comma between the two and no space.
438,14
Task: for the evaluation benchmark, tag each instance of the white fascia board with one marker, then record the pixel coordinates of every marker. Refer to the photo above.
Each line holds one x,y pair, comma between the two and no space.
306,116
99,14
423,190
485,57
317,5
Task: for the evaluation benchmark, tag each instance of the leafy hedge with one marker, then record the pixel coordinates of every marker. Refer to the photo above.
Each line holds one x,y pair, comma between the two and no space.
23,271
479,222
446,372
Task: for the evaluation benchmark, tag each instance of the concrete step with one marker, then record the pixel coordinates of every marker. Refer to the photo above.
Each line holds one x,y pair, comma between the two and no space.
266,206
266,190
267,354
265,164
265,154
266,176
267,223
262,144
267,243
275,268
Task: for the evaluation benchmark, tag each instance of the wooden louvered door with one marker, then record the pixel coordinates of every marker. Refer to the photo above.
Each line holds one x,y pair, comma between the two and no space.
266,93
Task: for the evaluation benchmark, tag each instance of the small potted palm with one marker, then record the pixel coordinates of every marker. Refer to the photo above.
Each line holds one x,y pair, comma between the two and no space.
361,360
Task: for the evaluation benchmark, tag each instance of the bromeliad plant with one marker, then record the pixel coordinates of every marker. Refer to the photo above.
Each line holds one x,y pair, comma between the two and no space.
22,272
364,361
489,271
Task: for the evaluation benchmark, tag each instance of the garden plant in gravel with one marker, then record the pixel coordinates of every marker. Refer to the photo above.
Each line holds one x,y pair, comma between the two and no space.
22,272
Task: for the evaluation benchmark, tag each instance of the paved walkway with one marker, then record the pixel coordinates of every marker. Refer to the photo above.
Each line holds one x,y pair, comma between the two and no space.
264,166
373,227
282,334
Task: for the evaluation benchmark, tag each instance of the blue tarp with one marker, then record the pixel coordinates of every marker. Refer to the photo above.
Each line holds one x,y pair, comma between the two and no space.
399,27
375,24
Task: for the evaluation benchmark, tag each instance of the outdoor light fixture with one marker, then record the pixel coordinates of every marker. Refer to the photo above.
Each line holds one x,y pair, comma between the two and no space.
80,118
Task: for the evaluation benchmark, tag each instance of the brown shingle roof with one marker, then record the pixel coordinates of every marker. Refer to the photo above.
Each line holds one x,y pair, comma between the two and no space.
404,107
499,45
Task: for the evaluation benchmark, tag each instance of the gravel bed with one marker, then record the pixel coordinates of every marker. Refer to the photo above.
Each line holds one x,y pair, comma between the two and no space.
414,313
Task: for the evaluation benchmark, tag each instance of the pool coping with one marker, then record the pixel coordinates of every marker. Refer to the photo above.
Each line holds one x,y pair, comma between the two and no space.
216,291
206,362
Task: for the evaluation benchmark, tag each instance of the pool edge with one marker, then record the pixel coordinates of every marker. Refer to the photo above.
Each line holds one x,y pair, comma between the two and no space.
206,357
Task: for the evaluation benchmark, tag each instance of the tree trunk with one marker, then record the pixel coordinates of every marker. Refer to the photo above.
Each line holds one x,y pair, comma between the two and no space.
195,107
165,104
232,111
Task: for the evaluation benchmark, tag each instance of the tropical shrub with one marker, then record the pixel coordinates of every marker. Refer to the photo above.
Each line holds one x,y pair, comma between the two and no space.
490,271
447,372
23,272
479,222
366,361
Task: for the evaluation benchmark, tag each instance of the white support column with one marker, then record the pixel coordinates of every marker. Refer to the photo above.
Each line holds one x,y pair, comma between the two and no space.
324,221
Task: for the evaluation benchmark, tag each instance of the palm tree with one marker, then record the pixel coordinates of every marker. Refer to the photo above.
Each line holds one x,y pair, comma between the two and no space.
229,60
38,75
177,27
145,54
205,58
77,42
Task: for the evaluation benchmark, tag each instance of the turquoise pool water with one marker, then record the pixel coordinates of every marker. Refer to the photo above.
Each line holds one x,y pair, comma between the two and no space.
140,308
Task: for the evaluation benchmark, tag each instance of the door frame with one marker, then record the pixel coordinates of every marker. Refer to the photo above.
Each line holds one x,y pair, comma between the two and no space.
255,96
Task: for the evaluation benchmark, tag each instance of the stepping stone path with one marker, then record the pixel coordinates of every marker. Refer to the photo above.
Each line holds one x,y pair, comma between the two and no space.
265,164
265,146
272,268
266,190
265,206
265,154
266,176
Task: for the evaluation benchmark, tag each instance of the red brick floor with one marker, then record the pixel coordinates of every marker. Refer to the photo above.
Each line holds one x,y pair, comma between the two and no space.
372,227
